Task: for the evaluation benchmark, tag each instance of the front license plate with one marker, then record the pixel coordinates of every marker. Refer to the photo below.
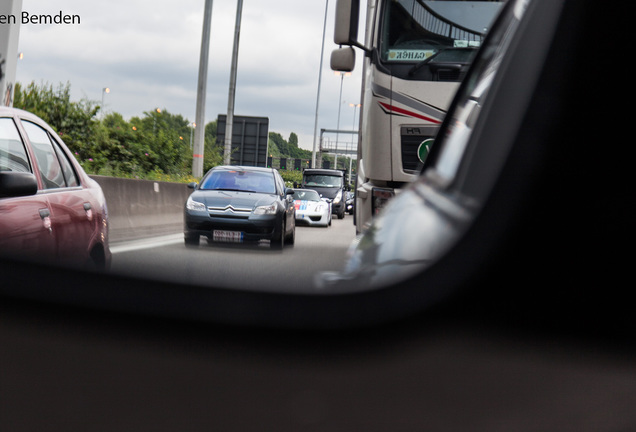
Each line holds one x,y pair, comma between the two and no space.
227,236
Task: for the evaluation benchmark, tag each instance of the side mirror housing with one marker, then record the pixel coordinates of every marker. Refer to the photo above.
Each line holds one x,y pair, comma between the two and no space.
16,184
343,59
346,26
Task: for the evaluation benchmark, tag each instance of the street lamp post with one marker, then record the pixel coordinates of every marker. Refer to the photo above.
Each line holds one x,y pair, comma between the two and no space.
229,121
342,75
104,91
355,107
154,121
197,151
353,127
322,49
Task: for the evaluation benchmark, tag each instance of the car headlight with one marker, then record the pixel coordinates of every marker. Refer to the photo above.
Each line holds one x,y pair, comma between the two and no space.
338,197
194,205
265,210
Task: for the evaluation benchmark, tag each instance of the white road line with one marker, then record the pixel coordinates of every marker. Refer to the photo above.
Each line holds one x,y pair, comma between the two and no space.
147,243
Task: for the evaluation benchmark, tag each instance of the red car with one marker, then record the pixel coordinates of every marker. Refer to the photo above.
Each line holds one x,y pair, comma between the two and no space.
50,210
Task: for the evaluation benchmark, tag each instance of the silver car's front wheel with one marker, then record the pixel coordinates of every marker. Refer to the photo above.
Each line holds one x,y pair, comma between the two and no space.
191,240
279,240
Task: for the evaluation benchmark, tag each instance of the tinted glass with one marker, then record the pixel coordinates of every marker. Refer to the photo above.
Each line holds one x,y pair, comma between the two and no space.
415,30
306,195
48,163
322,180
470,98
243,181
280,183
67,167
13,156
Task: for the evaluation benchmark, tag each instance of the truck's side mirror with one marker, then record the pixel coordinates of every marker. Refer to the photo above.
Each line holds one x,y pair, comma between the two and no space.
16,184
346,26
343,59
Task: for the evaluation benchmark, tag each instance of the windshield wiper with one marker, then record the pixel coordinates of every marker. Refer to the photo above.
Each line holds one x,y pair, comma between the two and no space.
234,190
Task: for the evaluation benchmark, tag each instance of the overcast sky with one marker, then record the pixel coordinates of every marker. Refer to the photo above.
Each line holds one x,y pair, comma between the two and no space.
147,53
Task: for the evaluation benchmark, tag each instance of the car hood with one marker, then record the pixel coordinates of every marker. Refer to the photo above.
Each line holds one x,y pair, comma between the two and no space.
238,200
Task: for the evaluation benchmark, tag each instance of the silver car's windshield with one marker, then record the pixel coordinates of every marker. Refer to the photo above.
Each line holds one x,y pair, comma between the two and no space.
243,181
306,195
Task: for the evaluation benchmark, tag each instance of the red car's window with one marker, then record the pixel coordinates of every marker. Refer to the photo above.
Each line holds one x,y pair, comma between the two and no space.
67,167
13,156
48,163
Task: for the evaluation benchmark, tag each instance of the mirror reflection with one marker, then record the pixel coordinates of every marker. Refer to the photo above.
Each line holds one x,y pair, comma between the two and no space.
126,178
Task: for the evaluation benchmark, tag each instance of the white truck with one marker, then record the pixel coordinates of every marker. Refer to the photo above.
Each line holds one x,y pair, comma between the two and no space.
415,54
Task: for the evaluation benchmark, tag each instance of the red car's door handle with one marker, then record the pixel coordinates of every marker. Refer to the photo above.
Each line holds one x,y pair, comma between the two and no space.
88,210
45,214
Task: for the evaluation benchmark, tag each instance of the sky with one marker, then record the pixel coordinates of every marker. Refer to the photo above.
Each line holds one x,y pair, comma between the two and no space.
147,53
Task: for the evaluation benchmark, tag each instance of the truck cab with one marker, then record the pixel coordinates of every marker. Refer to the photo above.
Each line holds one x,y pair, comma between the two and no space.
416,52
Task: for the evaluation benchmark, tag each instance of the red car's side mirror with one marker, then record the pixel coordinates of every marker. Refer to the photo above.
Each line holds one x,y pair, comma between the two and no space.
15,184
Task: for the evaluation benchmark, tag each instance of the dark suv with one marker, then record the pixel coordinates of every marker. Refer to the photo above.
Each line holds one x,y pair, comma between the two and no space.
50,210
329,184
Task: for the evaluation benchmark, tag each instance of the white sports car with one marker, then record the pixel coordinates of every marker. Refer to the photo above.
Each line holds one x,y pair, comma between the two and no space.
311,209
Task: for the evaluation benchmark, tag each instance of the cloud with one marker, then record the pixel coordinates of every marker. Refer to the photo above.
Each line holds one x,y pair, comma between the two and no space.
148,54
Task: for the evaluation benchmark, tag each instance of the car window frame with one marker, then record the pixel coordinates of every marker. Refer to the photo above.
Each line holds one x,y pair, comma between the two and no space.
63,155
42,178
280,183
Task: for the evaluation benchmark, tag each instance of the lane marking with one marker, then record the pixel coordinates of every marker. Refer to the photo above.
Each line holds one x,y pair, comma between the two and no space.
147,243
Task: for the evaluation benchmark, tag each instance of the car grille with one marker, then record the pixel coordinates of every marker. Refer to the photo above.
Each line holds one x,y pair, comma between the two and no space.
230,212
411,138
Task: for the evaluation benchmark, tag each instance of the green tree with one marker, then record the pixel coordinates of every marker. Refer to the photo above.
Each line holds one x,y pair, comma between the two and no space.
115,149
74,121
293,140
155,145
213,154
164,138
280,143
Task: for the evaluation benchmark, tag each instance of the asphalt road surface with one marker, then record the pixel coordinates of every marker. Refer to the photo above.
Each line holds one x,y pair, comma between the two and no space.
254,267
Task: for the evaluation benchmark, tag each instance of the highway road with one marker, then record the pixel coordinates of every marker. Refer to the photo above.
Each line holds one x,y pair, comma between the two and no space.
255,267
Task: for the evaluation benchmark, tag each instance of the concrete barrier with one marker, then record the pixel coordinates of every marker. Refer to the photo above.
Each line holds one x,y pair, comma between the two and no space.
142,208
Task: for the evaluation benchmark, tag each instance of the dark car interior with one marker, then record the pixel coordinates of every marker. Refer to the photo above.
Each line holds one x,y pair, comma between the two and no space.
537,335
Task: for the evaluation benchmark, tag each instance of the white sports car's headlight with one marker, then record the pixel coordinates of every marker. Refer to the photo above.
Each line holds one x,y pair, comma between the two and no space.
194,205
265,210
